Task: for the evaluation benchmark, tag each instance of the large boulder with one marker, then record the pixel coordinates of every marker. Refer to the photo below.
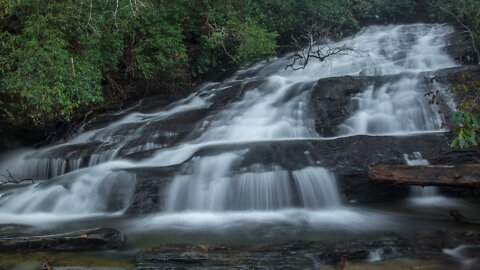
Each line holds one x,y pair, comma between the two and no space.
331,104
459,46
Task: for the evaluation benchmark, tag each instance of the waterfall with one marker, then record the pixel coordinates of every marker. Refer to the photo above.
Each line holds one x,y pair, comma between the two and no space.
90,193
220,183
420,192
399,105
213,173
426,196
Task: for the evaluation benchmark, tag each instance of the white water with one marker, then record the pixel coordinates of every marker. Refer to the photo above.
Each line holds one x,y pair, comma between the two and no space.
467,256
399,105
416,159
393,107
275,109
427,196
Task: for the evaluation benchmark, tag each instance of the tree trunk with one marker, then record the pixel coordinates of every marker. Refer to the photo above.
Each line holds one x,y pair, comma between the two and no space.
464,176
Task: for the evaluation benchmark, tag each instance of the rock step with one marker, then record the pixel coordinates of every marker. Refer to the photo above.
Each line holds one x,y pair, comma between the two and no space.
349,158
301,254
92,239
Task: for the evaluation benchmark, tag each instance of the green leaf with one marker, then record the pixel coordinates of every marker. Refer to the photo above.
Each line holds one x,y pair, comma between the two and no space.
461,141
454,142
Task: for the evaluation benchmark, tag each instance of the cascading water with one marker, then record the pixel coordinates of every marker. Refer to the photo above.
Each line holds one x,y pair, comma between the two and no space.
426,196
420,192
399,105
271,107
217,183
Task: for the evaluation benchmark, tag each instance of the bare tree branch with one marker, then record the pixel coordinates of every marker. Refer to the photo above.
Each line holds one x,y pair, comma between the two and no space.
223,33
466,27
10,179
317,48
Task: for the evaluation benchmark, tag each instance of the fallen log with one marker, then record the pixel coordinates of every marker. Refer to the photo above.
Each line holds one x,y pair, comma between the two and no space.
458,217
463,176
93,239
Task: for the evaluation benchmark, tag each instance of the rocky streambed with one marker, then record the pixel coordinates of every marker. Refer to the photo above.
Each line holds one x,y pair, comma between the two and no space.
440,249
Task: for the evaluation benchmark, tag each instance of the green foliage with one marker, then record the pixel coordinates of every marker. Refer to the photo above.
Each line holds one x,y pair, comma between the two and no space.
294,17
467,129
255,43
384,10
54,55
160,45
465,14
38,69
466,121
232,35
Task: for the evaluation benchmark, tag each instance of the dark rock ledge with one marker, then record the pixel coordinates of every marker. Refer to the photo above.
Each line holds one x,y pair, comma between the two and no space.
85,240
301,255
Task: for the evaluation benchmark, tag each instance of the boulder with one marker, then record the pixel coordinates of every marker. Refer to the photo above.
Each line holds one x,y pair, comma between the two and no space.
330,102
459,47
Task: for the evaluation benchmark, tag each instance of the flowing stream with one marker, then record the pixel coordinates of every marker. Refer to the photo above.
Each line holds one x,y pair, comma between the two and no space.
213,184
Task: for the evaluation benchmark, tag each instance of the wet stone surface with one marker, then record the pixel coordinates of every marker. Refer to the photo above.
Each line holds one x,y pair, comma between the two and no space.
307,255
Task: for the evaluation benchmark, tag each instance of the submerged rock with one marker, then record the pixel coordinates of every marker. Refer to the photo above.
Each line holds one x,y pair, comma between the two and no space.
93,239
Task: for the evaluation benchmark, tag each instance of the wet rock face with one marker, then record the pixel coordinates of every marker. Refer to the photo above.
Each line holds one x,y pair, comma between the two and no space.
149,194
300,254
294,255
459,47
332,99
330,102
93,239
348,158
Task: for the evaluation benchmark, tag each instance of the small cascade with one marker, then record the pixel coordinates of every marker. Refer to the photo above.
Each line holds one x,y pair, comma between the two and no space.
203,188
396,107
416,159
104,144
466,255
83,193
316,188
45,168
281,114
